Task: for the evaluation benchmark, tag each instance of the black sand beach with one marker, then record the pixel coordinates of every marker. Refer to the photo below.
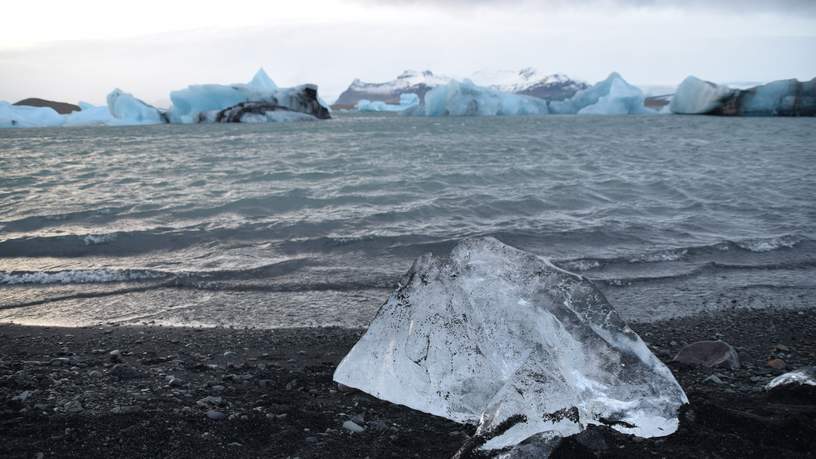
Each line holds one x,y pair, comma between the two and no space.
183,392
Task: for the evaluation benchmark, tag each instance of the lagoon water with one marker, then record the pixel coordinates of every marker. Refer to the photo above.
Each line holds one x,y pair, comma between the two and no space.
312,224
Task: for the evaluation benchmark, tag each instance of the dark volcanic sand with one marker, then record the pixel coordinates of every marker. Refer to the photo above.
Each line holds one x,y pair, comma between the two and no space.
275,391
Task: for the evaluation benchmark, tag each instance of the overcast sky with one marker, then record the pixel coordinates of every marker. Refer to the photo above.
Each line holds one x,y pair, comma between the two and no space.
82,49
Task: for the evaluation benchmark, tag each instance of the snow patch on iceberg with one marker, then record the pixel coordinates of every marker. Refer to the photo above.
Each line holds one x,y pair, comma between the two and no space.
494,332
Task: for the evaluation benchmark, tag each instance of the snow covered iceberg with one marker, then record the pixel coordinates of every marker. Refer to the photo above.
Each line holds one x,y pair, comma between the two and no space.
612,96
406,101
25,116
777,98
464,98
255,100
494,332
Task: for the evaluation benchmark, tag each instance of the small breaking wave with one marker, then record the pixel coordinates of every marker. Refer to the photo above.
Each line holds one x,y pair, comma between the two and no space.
710,252
79,276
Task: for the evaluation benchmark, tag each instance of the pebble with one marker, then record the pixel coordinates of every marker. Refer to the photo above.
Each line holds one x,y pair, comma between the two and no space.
73,406
216,415
210,401
352,427
777,364
115,355
713,379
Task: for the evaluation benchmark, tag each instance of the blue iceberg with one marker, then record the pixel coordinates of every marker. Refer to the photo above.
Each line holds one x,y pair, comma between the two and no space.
30,117
253,100
612,96
464,98
128,110
407,100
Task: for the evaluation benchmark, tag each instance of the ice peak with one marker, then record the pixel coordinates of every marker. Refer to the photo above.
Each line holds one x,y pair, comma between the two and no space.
261,81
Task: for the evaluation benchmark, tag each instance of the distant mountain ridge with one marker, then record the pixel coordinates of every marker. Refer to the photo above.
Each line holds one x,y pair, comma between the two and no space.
527,81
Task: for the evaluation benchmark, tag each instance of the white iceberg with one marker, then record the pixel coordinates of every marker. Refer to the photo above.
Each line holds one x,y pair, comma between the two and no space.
612,96
28,117
128,110
205,102
406,101
494,332
697,97
464,98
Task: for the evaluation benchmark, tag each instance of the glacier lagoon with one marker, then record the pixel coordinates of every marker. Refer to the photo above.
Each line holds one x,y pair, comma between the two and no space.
313,224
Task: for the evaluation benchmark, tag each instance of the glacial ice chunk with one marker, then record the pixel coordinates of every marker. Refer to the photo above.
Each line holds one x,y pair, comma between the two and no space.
494,332
207,102
25,116
697,97
130,110
90,115
612,96
407,101
464,98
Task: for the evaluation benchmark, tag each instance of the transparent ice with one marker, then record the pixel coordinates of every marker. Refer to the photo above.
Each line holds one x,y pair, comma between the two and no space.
493,332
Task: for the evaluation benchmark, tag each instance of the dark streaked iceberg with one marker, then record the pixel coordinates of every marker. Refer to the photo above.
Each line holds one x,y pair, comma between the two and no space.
777,98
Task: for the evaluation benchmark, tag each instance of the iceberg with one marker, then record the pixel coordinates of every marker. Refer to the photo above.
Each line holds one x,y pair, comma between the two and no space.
28,117
777,98
206,102
128,110
612,96
90,115
494,335
406,101
697,97
464,98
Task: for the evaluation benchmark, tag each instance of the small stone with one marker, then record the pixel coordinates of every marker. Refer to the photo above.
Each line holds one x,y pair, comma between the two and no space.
713,379
115,355
209,401
216,415
345,389
123,371
709,354
74,406
352,427
22,396
777,364
782,348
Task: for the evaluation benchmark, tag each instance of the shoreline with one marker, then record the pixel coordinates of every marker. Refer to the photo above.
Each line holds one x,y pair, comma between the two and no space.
218,392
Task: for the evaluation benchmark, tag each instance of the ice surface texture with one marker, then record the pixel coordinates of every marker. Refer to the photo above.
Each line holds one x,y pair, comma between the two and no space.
494,332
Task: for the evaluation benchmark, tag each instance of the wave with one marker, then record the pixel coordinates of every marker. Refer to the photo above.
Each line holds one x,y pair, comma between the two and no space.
79,276
712,252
